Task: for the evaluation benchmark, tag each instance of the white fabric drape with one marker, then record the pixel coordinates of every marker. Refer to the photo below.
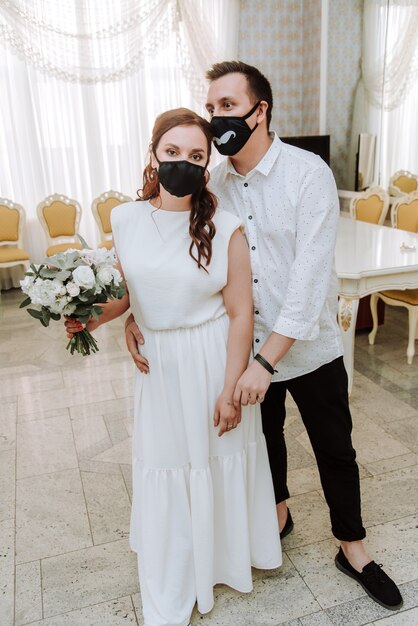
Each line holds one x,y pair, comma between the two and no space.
82,138
387,94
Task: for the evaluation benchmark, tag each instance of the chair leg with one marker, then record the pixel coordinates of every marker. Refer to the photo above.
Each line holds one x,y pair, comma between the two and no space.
412,323
374,298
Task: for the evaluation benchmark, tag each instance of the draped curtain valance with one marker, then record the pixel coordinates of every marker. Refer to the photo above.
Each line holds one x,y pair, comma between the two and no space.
390,51
98,41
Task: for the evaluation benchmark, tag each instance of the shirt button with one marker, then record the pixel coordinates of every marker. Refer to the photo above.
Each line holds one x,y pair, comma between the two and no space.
245,184
256,280
250,217
252,247
257,312
257,341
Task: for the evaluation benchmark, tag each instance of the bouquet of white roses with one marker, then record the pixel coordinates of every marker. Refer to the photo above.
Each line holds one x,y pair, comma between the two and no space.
73,283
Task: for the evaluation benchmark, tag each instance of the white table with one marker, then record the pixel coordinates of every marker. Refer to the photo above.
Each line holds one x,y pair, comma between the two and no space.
370,258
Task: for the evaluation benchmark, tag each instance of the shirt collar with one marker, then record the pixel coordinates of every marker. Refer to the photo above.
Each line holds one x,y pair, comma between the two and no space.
264,166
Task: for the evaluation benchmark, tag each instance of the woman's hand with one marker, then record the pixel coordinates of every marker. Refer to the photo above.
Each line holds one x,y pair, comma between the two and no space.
226,415
252,386
74,326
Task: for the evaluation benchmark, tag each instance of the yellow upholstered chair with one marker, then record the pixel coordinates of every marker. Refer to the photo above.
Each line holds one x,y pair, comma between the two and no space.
370,206
101,208
403,182
404,215
60,219
12,220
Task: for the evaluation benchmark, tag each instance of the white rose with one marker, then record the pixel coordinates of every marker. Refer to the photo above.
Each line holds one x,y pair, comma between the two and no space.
107,274
26,284
45,291
83,277
73,289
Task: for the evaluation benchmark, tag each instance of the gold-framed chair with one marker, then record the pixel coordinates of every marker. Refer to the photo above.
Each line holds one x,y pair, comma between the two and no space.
403,182
101,208
404,215
60,218
370,206
12,221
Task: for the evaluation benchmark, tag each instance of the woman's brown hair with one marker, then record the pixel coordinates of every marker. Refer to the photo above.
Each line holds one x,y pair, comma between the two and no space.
201,229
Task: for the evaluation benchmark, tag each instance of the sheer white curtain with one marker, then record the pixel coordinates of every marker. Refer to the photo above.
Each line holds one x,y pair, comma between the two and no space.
90,132
387,96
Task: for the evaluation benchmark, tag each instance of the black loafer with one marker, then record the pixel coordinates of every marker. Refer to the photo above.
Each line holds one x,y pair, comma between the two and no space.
374,581
288,527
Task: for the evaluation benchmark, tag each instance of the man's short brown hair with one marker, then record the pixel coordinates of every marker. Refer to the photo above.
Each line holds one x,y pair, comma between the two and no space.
258,85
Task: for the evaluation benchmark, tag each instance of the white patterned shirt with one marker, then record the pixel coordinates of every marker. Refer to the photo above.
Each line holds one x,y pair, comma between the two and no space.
289,206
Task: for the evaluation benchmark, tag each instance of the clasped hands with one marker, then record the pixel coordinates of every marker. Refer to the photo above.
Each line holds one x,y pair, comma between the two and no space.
250,388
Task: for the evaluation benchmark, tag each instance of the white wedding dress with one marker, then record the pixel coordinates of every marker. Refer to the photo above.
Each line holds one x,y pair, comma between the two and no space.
203,509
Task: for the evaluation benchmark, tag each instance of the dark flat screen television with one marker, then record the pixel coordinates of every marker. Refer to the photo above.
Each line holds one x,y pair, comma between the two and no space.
319,144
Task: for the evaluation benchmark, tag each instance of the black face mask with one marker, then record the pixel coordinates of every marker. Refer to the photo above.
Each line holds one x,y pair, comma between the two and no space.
232,133
181,178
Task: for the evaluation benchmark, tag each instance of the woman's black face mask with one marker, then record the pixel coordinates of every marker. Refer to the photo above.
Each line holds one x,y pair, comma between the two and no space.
232,133
181,178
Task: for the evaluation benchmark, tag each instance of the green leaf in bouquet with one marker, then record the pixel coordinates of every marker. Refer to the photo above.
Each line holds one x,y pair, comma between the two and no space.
83,242
25,302
46,316
57,273
35,313
96,311
55,316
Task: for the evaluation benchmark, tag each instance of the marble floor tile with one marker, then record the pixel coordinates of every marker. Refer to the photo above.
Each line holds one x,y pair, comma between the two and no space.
8,410
7,564
80,394
373,443
315,563
394,463
39,381
389,496
364,611
7,433
127,476
406,430
303,480
91,436
118,612
405,618
101,407
117,428
108,506
7,484
87,577
119,453
43,414
395,545
51,516
311,518
28,593
45,446
123,387
381,406
316,619
278,597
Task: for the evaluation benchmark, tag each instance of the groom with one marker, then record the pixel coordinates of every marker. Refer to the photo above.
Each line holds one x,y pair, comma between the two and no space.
287,200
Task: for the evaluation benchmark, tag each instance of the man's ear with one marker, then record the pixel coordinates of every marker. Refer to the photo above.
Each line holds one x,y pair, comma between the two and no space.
262,111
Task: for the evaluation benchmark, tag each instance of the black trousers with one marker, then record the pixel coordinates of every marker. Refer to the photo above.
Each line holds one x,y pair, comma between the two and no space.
322,399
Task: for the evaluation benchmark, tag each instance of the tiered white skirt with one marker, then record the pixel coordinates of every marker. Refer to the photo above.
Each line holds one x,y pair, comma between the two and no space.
203,509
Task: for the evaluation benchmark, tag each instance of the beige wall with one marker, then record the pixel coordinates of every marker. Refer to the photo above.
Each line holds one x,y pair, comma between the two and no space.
282,38
344,53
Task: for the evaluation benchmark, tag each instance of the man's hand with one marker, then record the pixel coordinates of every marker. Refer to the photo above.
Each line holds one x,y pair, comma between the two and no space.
133,337
252,386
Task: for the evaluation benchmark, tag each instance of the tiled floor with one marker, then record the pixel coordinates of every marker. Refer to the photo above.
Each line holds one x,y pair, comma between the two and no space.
65,488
